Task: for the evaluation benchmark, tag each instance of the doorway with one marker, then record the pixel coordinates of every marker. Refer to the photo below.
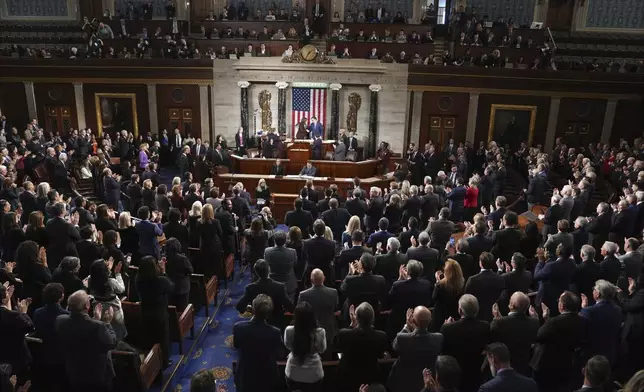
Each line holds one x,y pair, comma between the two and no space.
59,119
441,129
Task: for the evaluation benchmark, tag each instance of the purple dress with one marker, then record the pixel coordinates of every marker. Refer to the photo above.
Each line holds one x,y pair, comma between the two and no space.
143,159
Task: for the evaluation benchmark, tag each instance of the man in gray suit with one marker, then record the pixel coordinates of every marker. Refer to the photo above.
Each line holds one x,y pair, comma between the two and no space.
324,301
440,230
562,237
282,262
417,349
567,201
308,170
631,263
340,153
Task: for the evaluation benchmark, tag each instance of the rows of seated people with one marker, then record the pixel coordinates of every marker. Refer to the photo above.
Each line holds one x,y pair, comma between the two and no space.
344,34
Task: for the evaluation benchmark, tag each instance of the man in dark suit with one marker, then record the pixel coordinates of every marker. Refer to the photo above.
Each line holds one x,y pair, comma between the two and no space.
148,233
375,209
580,236
277,169
88,250
28,201
388,264
409,291
536,188
411,231
87,343
362,285
353,253
51,356
508,240
356,206
610,266
135,193
14,325
62,237
198,149
85,217
456,198
631,260
553,215
496,216
554,273
558,340
380,237
240,207
417,349
324,301
429,204
228,227
300,218
440,230
428,257
623,222
516,280
337,219
598,227
112,189
596,374
587,273
562,237
282,261
486,286
318,252
506,379
604,321
465,340
352,142
275,290
259,346
517,331
479,242
184,161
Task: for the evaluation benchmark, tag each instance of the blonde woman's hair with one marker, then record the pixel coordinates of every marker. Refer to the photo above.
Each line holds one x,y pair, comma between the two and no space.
353,225
143,146
147,184
196,209
176,181
478,217
125,220
474,181
207,213
328,234
259,183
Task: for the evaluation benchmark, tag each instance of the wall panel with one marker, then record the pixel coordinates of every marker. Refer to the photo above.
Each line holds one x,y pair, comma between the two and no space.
55,94
179,97
13,103
444,105
629,121
580,120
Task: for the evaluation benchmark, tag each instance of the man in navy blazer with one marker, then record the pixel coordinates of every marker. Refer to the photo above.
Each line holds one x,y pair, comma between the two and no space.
456,199
505,378
259,345
315,128
604,321
148,233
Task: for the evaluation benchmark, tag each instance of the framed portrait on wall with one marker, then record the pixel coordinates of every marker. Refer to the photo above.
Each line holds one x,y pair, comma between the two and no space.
512,124
116,112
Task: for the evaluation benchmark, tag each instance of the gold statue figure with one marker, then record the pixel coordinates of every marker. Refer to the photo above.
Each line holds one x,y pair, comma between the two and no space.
264,98
355,101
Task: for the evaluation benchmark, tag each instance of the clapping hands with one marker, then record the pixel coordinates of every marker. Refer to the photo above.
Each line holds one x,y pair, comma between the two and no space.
429,381
402,273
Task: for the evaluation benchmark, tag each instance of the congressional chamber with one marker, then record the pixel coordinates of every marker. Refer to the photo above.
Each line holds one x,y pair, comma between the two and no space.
314,195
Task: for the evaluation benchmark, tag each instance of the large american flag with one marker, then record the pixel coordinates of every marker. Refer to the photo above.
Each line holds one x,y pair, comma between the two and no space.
308,102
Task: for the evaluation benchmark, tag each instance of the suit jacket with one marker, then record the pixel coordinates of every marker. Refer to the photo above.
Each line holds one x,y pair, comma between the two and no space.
465,340
553,215
554,278
29,203
348,256
337,219
258,345
477,244
632,263
135,193
364,287
84,216
278,170
567,203
456,199
340,153
586,274
559,337
62,237
324,301
440,231
276,290
282,261
86,343
179,269
604,328
506,243
429,206
184,163
407,294
496,217
416,351
622,225
518,332
352,143
112,190
13,328
308,171
388,265
316,130
580,237
45,324
598,229
430,258
611,268
508,380
357,207
536,189
566,239
318,252
514,281
180,232
487,287
375,209
148,242
302,219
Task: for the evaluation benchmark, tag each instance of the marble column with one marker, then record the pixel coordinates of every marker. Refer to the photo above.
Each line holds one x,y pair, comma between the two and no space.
281,107
370,150
212,118
417,108
335,110
244,106
31,101
153,108
472,112
203,109
80,105
551,130
609,119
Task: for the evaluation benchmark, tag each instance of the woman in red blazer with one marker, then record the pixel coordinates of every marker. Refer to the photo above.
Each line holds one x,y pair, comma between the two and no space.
471,198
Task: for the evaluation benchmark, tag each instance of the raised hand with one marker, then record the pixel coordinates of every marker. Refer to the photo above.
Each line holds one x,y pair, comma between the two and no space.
110,263
532,312
119,266
109,314
584,301
42,255
364,388
545,310
495,311
499,264
409,319
413,241
438,275
9,266
429,381
352,316
23,305
631,285
98,311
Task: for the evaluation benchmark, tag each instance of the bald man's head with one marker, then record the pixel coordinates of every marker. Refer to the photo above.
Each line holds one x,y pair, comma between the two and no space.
317,277
422,317
78,302
519,302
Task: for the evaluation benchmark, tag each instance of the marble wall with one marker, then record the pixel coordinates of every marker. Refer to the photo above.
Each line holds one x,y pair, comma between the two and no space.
354,75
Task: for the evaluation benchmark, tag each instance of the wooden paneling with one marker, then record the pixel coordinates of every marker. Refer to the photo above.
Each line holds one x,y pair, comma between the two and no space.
55,94
13,102
185,97
444,105
560,14
580,120
629,121
140,90
487,100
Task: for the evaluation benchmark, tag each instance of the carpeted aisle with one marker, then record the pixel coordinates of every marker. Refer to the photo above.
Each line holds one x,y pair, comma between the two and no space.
215,350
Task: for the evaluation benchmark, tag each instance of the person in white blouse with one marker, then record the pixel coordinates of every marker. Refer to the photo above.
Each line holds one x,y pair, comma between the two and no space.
306,341
106,290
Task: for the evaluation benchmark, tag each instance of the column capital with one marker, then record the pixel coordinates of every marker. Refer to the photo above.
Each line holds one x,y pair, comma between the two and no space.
281,85
75,84
335,86
375,87
243,84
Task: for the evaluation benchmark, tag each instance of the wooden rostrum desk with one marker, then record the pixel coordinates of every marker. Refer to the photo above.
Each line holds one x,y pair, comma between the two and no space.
335,169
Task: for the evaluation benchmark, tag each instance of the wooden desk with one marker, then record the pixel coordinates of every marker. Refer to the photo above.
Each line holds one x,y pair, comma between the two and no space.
379,28
363,49
281,204
262,167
